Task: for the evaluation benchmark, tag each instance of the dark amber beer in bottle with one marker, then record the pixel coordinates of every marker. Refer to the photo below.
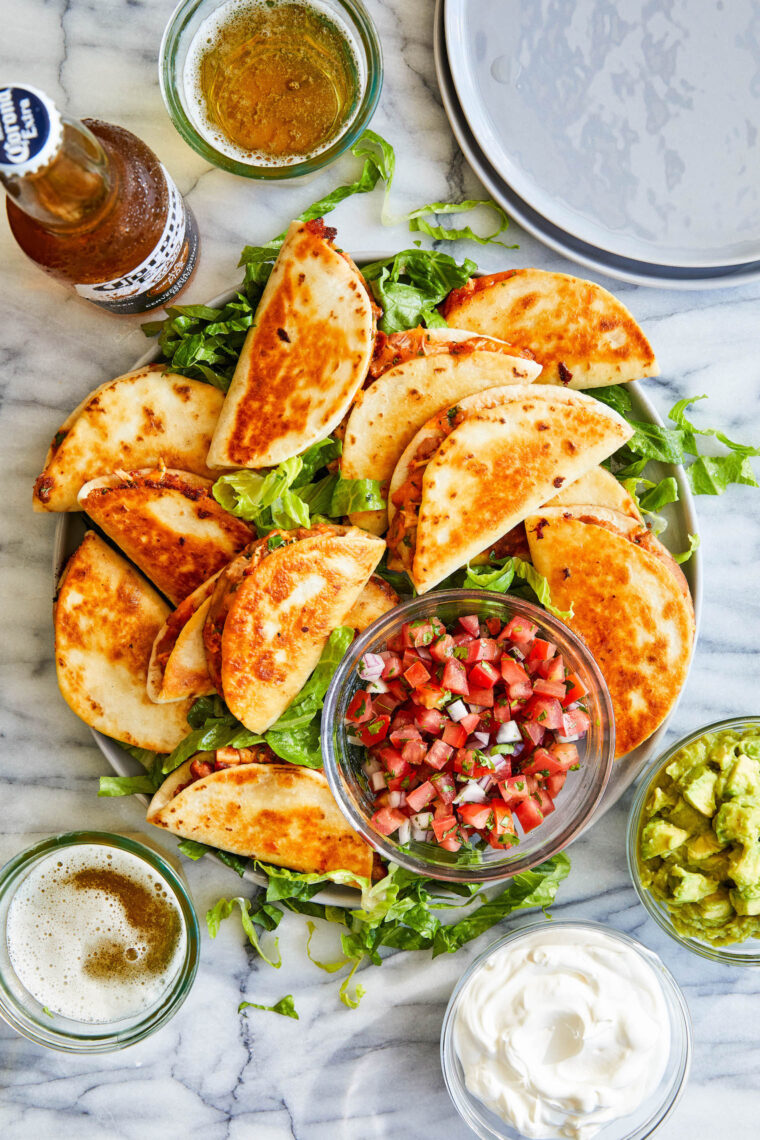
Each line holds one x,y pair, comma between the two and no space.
92,205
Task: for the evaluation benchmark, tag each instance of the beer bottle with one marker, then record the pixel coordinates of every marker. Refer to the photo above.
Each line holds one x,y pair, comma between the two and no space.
92,205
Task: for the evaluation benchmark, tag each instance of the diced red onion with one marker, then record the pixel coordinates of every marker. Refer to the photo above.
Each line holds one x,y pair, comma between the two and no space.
422,820
480,739
486,782
353,739
404,832
419,834
471,793
378,686
424,653
377,781
508,733
371,766
457,710
516,653
371,667
396,799
568,739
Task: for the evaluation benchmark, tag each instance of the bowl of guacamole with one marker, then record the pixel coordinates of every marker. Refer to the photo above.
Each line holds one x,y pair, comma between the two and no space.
694,841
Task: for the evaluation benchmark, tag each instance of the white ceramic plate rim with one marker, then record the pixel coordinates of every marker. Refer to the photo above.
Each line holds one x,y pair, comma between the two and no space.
625,770
455,23
622,269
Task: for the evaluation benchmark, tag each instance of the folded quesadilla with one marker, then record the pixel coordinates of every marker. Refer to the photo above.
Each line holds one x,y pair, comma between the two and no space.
168,523
256,806
416,374
273,610
178,666
304,357
631,605
377,598
143,419
106,617
597,488
581,335
478,469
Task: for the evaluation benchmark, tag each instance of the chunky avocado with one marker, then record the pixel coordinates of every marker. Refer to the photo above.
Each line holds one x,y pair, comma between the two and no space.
699,847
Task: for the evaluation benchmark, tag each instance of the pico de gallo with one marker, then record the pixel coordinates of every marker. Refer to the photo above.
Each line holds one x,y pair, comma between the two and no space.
468,730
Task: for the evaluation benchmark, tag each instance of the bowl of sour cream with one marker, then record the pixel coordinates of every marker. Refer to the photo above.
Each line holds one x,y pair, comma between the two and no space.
566,1031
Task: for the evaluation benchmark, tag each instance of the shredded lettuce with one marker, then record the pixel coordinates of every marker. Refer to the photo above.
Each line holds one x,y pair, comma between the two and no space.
397,912
411,284
417,222
191,849
686,555
249,919
284,1006
144,784
499,575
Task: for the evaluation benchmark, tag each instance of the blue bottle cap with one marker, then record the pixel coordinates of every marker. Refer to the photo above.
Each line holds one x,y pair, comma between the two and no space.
31,129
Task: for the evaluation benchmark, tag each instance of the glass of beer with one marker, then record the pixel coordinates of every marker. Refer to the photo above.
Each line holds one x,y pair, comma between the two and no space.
99,942
270,89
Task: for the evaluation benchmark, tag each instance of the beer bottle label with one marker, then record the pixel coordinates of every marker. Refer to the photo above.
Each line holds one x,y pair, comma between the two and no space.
163,272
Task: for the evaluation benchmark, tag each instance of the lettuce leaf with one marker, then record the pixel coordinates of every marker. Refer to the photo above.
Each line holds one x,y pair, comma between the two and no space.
411,284
144,784
686,555
249,919
499,575
191,849
284,1006
417,222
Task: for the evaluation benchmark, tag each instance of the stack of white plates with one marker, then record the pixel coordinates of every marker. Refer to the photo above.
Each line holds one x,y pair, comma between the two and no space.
623,135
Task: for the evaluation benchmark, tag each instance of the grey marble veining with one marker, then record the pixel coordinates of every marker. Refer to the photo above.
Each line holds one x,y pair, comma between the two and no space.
335,1074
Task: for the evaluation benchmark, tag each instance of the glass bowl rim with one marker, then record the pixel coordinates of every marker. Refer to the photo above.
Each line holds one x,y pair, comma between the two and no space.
672,993
654,909
17,1016
484,873
169,82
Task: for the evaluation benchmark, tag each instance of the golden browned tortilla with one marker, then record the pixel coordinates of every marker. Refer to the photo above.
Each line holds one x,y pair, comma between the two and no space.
304,357
631,605
143,419
178,666
282,614
476,471
106,618
582,335
279,813
168,523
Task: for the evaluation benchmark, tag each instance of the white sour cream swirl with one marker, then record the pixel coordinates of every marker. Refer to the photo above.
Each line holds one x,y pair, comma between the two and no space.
562,1032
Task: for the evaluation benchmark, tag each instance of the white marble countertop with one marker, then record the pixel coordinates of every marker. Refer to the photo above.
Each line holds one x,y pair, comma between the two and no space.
335,1074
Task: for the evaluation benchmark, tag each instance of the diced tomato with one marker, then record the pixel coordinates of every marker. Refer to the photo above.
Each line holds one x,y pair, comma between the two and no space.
375,730
553,669
396,643
402,717
470,722
471,625
399,736
554,689
482,676
482,649
451,843
360,707
430,720
512,671
455,678
575,689
429,696
541,650
493,625
514,788
471,764
387,754
565,755
445,785
455,735
475,815
461,639
387,820
546,803
554,784
386,703
501,710
444,825
392,668
519,630
442,649
541,763
547,711
421,632
414,751
399,689
575,722
417,674
406,635
529,814
532,731
420,798
397,769
481,697
438,754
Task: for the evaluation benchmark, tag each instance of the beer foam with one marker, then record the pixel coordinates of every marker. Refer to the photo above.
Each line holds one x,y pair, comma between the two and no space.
95,934
195,104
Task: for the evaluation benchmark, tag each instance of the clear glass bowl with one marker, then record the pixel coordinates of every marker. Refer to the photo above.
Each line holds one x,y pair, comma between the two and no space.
177,40
26,1015
737,953
577,800
636,1126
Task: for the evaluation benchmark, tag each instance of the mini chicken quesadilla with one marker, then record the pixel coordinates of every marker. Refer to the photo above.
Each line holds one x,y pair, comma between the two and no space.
478,469
106,617
377,598
416,374
304,357
631,605
168,523
273,610
581,335
178,666
255,806
143,419
597,488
